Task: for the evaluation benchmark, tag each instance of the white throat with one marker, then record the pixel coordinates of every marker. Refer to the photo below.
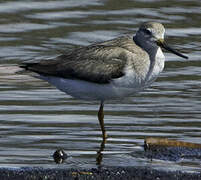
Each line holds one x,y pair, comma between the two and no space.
157,65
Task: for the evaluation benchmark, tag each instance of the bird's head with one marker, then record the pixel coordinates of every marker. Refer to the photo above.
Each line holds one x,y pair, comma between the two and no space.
151,34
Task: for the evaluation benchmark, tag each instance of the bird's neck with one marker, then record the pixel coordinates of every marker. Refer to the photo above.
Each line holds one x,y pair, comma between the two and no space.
153,51
149,47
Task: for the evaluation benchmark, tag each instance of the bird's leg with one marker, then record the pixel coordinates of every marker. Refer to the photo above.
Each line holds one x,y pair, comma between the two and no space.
102,146
99,157
101,120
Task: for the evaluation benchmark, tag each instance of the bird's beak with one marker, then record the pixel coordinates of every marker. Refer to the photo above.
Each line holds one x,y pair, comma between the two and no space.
162,44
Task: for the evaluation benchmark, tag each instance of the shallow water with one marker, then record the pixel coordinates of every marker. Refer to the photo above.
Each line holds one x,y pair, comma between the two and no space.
36,119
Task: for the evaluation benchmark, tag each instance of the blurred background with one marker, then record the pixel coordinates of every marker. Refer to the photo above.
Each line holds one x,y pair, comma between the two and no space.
36,118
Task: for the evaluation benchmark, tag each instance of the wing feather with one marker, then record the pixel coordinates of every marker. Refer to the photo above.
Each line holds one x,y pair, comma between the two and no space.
99,63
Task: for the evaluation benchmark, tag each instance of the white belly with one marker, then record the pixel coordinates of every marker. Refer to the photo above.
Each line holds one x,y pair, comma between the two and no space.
89,91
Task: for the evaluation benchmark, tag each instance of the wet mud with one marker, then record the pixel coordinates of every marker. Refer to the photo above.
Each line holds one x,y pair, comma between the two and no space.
107,173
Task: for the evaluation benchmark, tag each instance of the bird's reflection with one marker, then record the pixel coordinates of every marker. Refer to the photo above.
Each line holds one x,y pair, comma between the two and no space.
100,152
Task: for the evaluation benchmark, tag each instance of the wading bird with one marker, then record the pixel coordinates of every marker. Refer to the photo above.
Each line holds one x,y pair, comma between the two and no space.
112,69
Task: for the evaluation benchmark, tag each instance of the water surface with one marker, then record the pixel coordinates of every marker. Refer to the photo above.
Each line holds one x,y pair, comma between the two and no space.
36,118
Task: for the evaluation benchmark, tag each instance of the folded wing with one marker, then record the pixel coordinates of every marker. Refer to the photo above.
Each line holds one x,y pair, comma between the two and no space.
99,63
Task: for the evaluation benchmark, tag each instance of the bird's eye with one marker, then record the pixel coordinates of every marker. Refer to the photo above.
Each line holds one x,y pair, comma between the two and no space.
147,31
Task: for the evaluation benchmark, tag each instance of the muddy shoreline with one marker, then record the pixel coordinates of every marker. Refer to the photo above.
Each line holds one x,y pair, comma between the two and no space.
108,173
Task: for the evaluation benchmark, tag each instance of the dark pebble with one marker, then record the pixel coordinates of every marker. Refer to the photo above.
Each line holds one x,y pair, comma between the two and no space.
59,156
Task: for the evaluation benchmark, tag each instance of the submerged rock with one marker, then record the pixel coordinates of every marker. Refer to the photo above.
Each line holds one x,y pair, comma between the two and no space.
171,150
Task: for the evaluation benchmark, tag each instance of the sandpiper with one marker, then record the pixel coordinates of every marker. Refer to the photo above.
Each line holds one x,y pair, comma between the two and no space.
109,70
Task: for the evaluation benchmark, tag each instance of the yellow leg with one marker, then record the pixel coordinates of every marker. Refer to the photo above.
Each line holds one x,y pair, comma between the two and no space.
101,120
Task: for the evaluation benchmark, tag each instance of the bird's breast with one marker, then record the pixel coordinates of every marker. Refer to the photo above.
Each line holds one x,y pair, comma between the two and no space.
140,75
158,61
131,80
